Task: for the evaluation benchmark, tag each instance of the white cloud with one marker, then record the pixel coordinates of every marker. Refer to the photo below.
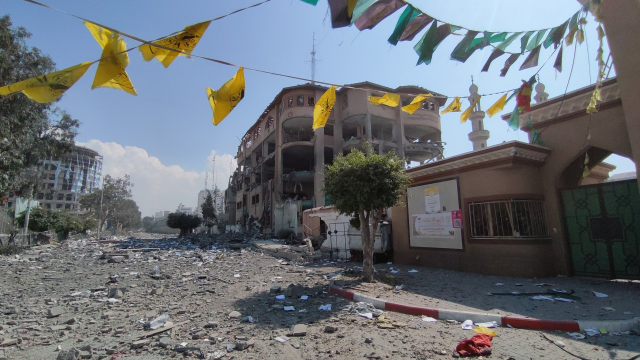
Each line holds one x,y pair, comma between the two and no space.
158,186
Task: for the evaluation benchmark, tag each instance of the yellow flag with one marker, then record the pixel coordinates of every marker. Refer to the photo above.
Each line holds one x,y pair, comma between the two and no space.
388,99
227,97
48,87
498,106
111,73
416,103
465,115
185,41
455,106
323,107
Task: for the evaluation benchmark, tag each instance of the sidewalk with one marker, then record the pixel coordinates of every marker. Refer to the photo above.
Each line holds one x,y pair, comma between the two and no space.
451,294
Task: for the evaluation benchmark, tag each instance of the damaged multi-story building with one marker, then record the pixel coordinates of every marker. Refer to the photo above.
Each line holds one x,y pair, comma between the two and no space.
281,159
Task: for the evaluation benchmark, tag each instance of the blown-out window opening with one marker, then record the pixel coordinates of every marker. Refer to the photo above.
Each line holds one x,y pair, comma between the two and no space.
508,219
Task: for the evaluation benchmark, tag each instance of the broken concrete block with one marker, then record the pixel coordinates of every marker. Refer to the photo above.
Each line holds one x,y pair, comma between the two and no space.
116,259
140,343
165,342
235,315
71,354
115,293
299,330
9,342
157,291
330,329
85,355
55,311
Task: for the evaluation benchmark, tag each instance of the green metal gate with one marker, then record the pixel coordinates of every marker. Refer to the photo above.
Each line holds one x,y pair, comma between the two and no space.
602,223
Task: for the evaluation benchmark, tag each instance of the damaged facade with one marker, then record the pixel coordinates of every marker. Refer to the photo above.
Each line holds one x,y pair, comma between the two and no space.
281,159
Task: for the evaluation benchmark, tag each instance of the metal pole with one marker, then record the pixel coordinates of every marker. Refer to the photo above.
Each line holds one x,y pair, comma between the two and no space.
26,217
100,215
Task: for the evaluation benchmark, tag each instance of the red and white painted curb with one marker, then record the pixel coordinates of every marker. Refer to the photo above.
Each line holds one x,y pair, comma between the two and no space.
513,321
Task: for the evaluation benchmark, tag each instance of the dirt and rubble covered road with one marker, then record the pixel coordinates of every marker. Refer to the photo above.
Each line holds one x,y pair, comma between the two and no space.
149,297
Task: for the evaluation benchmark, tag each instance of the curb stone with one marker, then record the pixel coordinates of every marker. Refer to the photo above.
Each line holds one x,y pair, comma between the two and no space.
513,321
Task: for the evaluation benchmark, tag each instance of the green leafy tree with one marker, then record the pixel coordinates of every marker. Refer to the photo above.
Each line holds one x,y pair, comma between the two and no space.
64,223
208,211
28,130
39,219
362,185
113,203
147,223
185,222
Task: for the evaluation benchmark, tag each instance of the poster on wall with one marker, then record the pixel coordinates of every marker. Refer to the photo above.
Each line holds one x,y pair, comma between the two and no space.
432,200
433,225
435,217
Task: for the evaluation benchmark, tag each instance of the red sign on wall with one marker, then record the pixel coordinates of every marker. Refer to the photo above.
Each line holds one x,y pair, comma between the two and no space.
456,219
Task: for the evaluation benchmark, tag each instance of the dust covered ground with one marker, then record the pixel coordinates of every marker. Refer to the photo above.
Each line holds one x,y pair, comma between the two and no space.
197,298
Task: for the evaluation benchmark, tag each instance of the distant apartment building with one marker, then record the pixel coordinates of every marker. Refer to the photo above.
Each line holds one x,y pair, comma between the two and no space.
184,209
161,214
66,178
282,158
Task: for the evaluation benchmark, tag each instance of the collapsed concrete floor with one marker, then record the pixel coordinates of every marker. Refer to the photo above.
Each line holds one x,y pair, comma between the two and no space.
196,298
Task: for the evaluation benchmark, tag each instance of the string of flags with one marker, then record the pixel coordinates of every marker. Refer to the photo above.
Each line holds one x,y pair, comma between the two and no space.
366,14
114,59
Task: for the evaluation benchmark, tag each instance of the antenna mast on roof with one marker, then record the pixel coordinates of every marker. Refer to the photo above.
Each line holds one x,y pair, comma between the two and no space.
313,60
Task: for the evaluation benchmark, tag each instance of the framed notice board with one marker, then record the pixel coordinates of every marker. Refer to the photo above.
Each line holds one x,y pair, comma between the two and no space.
434,214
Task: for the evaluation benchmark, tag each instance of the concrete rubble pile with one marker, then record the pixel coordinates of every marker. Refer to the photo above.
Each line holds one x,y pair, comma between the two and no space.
199,297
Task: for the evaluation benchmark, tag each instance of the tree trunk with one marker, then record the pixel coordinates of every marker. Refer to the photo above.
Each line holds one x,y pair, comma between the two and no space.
367,248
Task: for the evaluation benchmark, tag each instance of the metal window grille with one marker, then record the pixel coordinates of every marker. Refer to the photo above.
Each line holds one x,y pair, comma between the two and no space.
508,219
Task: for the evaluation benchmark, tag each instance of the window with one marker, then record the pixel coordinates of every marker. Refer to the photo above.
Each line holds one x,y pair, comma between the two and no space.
67,206
508,219
425,105
257,198
50,185
9,204
69,197
406,102
290,101
52,176
238,206
282,108
269,122
60,196
40,196
300,100
312,101
46,166
58,206
48,206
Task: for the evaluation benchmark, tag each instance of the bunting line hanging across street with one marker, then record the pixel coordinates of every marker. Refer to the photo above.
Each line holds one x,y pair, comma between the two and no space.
416,103
366,14
382,11
157,43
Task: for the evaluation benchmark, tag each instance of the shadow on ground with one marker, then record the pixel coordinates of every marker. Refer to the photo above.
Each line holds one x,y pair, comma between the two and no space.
268,312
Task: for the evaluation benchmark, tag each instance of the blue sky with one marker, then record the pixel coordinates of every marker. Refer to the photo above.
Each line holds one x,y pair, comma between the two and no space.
166,130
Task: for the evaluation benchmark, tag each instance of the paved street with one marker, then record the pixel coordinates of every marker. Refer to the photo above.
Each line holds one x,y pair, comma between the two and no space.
98,299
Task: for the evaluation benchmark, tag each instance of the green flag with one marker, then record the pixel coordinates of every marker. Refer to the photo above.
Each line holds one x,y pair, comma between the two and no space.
368,13
430,41
524,41
462,52
514,120
312,2
411,22
503,45
535,41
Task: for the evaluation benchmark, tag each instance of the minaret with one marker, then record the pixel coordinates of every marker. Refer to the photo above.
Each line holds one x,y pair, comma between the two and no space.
478,136
541,95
